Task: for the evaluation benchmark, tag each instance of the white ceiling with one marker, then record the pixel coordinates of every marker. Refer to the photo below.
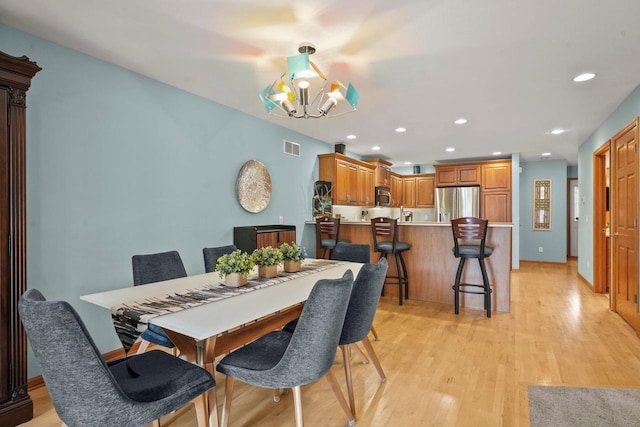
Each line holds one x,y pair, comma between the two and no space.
505,65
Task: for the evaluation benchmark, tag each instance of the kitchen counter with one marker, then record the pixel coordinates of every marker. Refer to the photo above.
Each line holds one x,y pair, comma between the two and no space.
431,266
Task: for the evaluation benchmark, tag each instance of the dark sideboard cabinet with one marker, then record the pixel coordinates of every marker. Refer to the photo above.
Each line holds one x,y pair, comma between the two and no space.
16,407
249,238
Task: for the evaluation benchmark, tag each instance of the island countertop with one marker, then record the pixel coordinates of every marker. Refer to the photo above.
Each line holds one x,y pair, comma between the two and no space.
431,266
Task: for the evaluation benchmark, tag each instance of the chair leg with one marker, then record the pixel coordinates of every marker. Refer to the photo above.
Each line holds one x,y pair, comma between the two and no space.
456,286
213,408
398,272
200,404
154,423
405,277
382,255
375,334
355,347
144,344
374,358
226,407
487,287
347,374
297,404
324,252
333,382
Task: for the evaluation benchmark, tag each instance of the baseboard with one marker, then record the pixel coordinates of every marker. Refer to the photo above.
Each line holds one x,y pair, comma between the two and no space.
37,382
584,281
555,263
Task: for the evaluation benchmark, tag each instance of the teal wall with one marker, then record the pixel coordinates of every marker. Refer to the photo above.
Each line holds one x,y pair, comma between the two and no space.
628,110
119,164
553,242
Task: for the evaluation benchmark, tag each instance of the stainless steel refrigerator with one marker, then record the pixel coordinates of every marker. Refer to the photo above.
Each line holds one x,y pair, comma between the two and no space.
457,202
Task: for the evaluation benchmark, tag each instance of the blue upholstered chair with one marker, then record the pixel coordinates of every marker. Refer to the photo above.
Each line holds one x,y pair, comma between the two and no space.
363,303
211,256
281,359
353,252
359,319
153,268
86,391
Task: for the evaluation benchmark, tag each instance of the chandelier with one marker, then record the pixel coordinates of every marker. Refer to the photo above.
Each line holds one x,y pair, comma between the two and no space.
291,94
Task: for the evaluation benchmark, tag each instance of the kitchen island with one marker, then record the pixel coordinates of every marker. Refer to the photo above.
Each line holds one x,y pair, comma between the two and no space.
431,266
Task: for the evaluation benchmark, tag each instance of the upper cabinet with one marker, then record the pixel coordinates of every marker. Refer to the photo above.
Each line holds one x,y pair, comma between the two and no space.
496,191
353,180
383,172
459,174
418,191
396,190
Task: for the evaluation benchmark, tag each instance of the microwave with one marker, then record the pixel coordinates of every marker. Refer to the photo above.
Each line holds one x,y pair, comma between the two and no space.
383,196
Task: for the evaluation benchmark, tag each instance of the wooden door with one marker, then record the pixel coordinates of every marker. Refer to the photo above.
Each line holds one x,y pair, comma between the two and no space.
469,175
396,191
624,222
346,182
496,206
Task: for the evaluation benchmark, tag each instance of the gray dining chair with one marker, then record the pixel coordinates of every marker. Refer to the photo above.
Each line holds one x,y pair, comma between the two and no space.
86,391
151,268
211,256
280,359
359,319
353,252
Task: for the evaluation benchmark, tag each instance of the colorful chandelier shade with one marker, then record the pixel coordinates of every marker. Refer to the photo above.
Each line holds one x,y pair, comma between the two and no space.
290,95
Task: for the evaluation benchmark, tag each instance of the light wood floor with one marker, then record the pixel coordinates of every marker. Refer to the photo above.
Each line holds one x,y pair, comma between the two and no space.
466,370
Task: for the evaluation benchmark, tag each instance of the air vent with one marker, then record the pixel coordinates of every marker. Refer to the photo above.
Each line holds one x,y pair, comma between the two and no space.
292,148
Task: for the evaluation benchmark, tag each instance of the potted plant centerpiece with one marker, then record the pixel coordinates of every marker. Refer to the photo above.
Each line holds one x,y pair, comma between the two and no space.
267,259
234,268
292,255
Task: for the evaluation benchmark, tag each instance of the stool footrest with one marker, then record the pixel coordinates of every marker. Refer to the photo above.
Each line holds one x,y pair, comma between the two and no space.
469,291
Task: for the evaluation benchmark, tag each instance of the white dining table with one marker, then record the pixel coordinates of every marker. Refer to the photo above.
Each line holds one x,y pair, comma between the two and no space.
214,328
203,332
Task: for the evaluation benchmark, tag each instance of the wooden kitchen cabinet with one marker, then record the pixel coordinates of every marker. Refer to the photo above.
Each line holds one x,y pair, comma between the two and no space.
457,175
418,191
250,238
396,190
382,172
496,206
353,180
425,191
409,192
496,191
496,176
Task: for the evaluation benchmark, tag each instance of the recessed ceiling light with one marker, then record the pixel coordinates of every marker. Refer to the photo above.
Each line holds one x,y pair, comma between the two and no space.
557,131
352,136
450,150
583,77
400,130
545,154
460,121
375,148
407,163
497,153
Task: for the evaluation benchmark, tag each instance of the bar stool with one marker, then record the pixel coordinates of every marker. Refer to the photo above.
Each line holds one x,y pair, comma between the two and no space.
385,241
327,234
469,235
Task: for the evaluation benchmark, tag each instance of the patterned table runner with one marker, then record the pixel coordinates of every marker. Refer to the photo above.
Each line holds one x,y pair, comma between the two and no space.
131,319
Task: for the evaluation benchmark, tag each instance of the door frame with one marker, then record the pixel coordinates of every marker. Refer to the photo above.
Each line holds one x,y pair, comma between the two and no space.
569,219
600,258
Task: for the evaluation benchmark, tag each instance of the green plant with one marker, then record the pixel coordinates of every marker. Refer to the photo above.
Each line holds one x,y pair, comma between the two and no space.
292,252
267,256
235,262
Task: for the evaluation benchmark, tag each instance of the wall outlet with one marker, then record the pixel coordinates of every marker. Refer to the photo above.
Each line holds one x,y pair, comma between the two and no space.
280,219
540,249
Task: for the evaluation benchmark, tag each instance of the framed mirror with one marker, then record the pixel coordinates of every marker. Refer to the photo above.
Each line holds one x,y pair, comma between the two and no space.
542,204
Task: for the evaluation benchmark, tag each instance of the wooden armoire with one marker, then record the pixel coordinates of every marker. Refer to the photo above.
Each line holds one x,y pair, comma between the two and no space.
16,406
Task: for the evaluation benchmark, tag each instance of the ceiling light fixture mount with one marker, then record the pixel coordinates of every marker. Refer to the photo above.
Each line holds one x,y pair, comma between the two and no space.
290,95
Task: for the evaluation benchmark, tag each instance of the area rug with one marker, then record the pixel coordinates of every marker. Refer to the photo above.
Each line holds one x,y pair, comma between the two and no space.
584,407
